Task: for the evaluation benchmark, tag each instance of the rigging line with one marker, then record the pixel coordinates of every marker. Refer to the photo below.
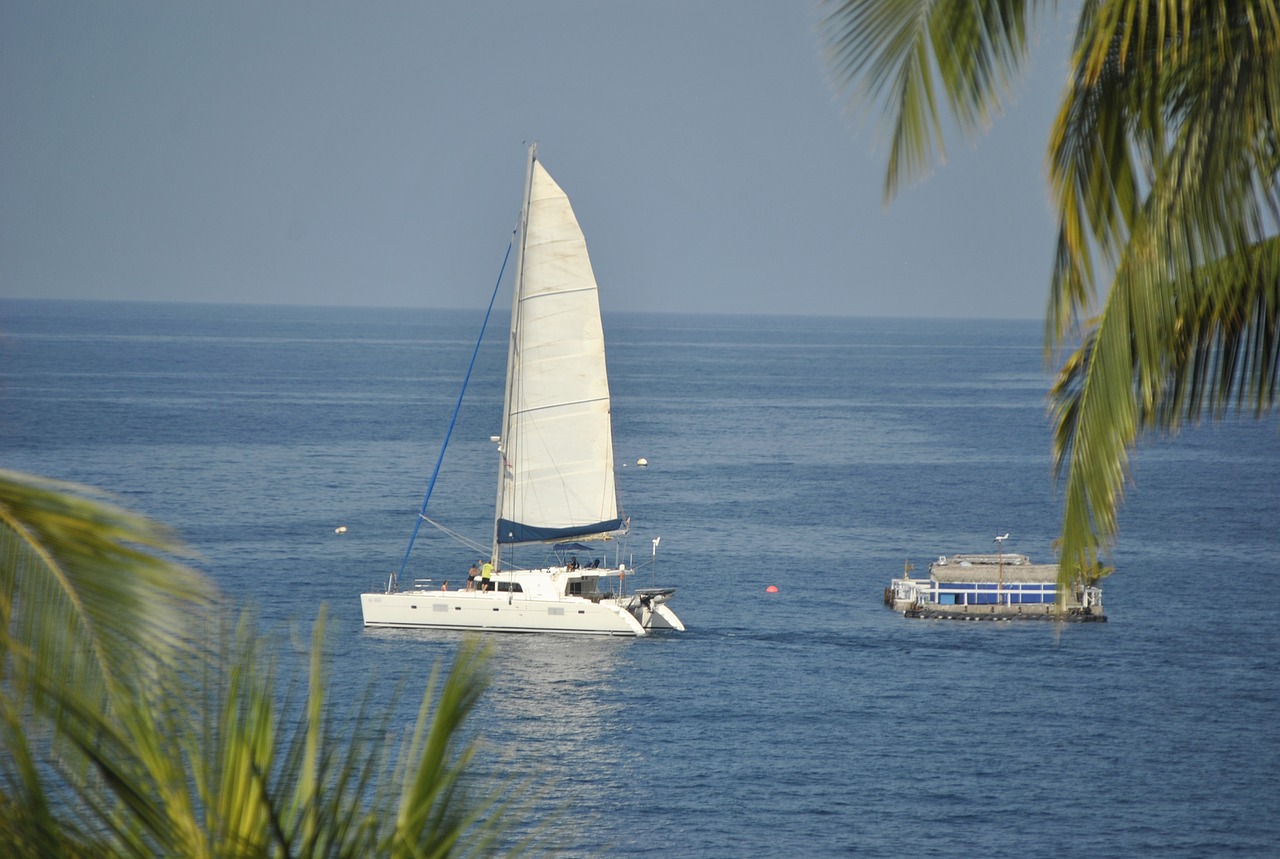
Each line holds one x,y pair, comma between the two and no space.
453,420
470,544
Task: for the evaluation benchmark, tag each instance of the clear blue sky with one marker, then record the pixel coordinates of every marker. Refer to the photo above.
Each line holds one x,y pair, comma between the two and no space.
372,154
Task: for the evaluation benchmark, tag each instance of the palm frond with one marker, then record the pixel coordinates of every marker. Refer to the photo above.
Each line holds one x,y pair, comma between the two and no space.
1218,348
1225,349
88,588
903,56
191,748
1166,139
1096,421
1164,164
91,602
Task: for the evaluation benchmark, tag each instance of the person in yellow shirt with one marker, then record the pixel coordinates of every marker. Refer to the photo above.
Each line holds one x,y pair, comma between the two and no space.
486,575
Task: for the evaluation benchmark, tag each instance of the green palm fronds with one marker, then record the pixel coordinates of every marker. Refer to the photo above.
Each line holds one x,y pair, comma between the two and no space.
187,744
1165,160
898,54
91,606
86,588
1165,174
1217,349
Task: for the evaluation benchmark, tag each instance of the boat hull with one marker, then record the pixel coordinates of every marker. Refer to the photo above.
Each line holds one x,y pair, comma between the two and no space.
498,612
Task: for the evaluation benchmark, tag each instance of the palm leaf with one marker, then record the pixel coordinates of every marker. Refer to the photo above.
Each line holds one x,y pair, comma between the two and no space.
269,775
188,746
1164,165
86,588
905,56
1219,348
90,603
1166,140
1165,174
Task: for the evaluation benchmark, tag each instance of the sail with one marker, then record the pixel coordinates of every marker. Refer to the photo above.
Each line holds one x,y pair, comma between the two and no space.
557,444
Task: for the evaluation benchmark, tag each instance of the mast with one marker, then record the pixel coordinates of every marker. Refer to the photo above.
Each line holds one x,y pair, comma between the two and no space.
512,347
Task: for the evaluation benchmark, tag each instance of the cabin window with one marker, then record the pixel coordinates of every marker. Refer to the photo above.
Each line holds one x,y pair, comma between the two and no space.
555,610
440,607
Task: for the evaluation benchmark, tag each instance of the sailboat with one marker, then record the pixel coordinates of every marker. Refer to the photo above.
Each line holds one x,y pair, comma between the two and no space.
556,467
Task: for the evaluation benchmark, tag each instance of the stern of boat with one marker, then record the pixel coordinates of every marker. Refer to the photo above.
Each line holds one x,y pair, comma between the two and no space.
648,605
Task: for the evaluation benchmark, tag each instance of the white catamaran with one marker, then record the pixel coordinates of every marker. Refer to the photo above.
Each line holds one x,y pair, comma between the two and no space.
556,476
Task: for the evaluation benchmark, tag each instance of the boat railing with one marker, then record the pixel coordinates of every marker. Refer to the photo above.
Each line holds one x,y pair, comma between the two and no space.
979,593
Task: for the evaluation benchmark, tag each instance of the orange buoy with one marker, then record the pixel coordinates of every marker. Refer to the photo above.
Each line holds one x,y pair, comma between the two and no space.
772,589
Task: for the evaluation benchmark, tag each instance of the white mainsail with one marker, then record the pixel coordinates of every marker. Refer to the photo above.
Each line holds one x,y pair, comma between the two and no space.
557,477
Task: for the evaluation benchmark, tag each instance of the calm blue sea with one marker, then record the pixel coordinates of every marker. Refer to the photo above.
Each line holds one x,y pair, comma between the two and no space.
815,454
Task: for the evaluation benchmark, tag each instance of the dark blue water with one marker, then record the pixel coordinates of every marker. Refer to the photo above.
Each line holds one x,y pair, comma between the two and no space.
818,455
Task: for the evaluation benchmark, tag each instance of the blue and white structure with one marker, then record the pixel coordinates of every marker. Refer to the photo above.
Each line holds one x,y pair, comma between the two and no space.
1001,585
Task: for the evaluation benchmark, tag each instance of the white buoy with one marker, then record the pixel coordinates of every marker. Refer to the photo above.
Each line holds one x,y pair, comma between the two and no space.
642,462
341,529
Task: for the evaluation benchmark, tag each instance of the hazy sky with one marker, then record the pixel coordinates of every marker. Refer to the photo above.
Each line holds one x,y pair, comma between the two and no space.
373,154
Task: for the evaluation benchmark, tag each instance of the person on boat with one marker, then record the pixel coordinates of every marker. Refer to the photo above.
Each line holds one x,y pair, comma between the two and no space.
471,577
573,563
445,586
486,574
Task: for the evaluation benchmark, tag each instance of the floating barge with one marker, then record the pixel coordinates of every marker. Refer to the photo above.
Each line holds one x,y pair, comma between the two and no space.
991,587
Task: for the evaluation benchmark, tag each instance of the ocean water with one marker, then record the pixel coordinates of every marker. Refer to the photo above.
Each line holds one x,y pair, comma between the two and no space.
817,455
